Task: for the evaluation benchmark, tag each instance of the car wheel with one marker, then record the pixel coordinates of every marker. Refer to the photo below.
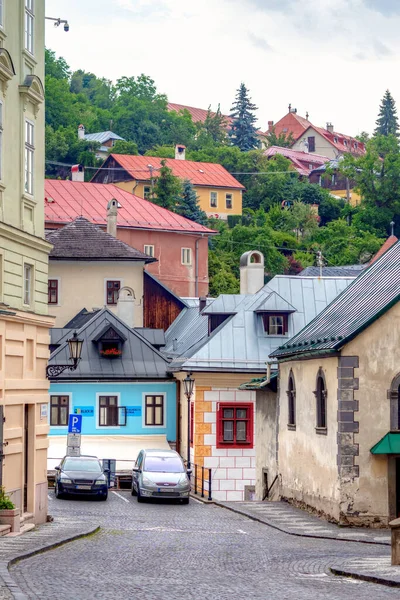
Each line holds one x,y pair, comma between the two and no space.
139,496
104,498
57,491
185,500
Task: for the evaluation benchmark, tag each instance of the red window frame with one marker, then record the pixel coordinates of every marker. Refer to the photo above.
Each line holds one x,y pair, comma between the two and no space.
191,423
249,443
52,287
112,291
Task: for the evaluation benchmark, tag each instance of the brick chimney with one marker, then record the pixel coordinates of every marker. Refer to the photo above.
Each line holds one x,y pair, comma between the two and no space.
329,127
112,215
270,126
81,132
180,152
78,173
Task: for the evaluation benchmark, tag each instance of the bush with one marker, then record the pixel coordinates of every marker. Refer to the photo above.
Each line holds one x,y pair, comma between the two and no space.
5,502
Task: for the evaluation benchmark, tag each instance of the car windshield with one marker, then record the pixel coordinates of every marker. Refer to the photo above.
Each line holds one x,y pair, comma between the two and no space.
163,464
82,464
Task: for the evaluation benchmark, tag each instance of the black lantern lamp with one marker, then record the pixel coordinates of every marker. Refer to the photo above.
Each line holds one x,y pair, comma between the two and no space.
75,350
188,384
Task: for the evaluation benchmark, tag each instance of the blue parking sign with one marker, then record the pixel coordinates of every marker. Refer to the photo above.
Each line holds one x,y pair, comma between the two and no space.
75,424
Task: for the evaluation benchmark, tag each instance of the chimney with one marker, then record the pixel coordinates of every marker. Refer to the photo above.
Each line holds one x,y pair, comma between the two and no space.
251,272
81,132
307,115
202,303
290,108
126,306
78,173
329,127
270,125
180,151
112,215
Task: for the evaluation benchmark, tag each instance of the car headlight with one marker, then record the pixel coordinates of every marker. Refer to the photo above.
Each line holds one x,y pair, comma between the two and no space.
148,482
65,480
184,482
100,481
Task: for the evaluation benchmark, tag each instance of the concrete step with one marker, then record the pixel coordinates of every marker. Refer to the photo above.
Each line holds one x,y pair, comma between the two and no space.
27,518
4,529
24,529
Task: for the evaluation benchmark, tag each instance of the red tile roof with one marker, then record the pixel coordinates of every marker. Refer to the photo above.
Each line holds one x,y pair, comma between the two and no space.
291,123
343,143
67,200
303,162
207,174
391,241
198,114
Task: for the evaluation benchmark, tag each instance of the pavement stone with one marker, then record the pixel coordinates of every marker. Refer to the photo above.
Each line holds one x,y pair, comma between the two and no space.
295,521
168,551
376,570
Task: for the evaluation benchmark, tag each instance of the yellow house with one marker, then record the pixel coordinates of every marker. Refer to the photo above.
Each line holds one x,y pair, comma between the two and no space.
219,193
24,324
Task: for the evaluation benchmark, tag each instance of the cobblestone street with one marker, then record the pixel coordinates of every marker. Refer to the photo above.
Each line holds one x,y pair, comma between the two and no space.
160,551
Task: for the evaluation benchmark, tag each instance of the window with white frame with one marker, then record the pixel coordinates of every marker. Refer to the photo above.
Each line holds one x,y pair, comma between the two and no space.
228,200
1,13
27,284
146,192
186,256
29,155
213,199
1,139
29,25
149,250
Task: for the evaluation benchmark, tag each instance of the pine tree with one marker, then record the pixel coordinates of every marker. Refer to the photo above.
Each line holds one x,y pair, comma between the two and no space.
215,125
167,188
243,133
188,204
387,123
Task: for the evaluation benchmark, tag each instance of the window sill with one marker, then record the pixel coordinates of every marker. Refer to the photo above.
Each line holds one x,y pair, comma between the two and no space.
291,427
227,446
29,58
321,430
29,199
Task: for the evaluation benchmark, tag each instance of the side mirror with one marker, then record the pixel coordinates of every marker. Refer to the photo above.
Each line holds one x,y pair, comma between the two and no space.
106,471
136,469
58,468
189,471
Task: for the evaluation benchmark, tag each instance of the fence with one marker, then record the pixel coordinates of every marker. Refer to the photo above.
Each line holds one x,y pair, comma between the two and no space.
201,481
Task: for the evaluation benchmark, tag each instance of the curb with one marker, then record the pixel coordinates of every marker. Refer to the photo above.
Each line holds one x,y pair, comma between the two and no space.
364,577
303,535
5,575
200,499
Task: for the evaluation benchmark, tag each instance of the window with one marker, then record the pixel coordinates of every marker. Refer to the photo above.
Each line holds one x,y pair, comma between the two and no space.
29,25
335,139
146,192
215,321
228,200
59,410
108,411
213,199
29,156
1,13
291,401
275,324
149,250
52,291
27,284
355,145
311,144
154,411
345,142
186,256
235,426
321,395
113,288
191,423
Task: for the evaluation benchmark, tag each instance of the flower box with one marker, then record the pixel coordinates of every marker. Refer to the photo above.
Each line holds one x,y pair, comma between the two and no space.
111,353
10,516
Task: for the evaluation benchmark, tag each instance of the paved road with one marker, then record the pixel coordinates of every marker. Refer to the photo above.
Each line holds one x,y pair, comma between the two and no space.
157,551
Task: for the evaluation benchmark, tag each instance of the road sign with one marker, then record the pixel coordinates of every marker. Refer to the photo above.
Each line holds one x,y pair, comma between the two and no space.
74,440
75,424
73,451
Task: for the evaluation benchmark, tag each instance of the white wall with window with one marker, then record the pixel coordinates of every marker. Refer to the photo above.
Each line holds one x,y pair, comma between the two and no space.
29,156
1,13
28,284
1,138
30,26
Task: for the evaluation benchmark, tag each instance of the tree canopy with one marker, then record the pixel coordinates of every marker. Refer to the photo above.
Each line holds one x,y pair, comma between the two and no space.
243,132
387,123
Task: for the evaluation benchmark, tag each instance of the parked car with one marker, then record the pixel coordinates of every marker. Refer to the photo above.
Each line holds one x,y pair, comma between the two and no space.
160,474
81,475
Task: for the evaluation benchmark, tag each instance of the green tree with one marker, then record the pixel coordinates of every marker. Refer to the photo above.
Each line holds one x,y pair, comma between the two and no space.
188,204
243,132
56,67
124,147
387,123
213,132
284,140
167,188
301,219
363,137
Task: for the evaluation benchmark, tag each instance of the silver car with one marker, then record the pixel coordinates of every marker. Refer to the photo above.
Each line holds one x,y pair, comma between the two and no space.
160,474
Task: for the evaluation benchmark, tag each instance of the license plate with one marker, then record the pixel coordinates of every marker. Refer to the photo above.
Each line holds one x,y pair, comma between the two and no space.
83,487
165,489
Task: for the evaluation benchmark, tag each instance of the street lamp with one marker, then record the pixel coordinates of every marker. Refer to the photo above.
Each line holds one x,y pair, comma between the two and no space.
188,384
75,351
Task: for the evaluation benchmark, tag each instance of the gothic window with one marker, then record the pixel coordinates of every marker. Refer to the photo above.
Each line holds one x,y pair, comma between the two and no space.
321,396
291,392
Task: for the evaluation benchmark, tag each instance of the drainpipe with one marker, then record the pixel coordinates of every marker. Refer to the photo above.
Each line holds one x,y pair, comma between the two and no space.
196,269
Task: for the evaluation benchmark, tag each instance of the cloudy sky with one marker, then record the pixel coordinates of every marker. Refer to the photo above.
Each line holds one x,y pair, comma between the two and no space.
332,58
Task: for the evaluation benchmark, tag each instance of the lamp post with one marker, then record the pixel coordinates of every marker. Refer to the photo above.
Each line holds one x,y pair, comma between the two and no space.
75,351
188,384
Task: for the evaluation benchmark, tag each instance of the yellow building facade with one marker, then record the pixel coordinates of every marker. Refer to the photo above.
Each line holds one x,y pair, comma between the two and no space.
24,324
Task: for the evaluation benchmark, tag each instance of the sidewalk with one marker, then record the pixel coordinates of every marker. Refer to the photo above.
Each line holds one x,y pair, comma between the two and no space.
295,521
375,570
44,537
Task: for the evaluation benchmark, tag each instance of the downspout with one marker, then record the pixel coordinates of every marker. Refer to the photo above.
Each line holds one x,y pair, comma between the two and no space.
178,416
196,269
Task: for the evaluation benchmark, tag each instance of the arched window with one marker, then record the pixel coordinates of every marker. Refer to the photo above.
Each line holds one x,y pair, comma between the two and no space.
291,392
321,396
394,396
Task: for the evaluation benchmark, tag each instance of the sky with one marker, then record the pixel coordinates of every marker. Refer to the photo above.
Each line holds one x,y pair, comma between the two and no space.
332,58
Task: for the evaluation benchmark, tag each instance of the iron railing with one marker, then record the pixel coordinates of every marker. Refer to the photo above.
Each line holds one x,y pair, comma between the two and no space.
200,480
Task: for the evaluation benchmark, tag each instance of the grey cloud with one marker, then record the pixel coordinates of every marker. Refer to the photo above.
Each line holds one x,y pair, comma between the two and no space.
259,42
268,5
385,7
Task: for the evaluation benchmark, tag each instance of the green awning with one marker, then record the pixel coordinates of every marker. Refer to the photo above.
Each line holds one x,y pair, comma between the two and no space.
389,444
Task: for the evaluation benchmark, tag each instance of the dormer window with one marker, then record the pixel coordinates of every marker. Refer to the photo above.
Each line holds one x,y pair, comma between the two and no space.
215,321
109,343
275,323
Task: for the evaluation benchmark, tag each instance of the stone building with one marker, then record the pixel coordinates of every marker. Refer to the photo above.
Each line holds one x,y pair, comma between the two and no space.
335,432
24,324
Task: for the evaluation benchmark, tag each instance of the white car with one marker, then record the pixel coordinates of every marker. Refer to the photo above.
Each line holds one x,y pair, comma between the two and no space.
160,474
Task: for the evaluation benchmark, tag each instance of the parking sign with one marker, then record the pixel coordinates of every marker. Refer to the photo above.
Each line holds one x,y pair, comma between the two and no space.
75,424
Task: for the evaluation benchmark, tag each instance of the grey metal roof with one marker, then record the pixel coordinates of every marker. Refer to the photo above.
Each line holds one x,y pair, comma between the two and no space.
102,136
341,271
275,303
139,359
79,319
224,304
240,343
156,337
368,297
